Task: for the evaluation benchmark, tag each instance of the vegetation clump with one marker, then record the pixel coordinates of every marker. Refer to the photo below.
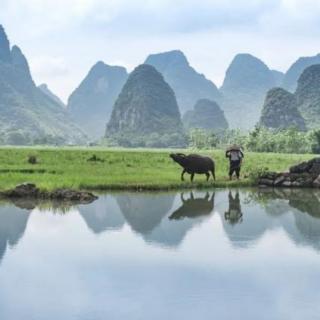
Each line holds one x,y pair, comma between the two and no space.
95,158
32,159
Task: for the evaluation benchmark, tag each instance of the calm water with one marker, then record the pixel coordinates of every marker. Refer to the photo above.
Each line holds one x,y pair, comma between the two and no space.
223,255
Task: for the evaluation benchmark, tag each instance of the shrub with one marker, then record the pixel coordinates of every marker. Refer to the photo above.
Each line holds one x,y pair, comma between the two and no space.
32,159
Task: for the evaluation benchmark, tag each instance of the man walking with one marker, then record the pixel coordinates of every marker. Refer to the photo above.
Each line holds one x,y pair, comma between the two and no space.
235,156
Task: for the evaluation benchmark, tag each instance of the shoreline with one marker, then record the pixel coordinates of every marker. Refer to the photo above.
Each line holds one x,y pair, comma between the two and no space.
126,170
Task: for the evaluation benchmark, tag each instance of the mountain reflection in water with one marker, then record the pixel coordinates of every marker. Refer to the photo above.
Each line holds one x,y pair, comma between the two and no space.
252,254
166,218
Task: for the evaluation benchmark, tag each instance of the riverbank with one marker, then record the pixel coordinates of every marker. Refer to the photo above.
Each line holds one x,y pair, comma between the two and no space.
103,169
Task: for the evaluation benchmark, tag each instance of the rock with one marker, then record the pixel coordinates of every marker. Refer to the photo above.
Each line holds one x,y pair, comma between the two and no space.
25,190
286,183
269,175
278,181
300,168
30,191
72,195
315,168
296,184
266,182
312,167
316,182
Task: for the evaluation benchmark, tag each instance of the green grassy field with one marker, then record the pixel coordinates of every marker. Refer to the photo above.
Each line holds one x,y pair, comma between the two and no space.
123,169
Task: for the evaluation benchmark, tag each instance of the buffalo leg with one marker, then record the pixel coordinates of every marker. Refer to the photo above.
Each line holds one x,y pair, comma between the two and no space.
182,174
208,175
191,178
213,174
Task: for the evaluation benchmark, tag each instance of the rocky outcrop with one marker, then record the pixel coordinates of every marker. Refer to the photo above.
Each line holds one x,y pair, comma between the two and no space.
91,103
145,107
30,191
280,111
246,82
189,85
308,96
206,115
291,77
303,175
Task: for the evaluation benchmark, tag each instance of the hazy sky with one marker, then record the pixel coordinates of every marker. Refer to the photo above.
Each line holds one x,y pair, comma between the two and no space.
62,39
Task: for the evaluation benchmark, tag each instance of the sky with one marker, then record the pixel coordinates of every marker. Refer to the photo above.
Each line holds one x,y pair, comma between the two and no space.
63,39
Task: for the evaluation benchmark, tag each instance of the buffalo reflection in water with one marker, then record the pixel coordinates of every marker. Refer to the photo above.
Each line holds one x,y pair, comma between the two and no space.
194,207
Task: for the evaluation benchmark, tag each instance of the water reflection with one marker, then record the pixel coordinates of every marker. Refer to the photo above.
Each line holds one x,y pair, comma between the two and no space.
102,215
301,205
144,212
13,222
194,207
159,256
166,218
175,225
234,214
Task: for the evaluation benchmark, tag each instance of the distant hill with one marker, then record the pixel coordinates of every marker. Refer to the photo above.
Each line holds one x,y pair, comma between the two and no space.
27,115
280,111
146,110
294,72
189,85
91,103
308,95
207,115
246,82
278,77
45,89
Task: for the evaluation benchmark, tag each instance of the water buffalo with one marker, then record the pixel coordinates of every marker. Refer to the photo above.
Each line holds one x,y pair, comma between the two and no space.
194,163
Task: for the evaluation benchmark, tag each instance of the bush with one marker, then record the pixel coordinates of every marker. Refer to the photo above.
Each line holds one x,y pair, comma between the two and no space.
32,159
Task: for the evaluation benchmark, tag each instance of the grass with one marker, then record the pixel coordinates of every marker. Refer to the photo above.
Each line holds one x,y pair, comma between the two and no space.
123,169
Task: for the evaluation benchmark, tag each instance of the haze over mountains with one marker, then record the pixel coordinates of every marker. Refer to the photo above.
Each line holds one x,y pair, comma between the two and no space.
26,113
45,89
206,114
188,85
246,82
291,77
91,103
148,104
